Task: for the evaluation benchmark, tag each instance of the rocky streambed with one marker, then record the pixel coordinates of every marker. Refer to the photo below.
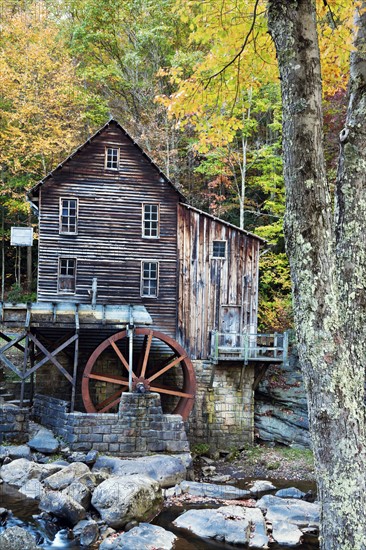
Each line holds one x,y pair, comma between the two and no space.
75,500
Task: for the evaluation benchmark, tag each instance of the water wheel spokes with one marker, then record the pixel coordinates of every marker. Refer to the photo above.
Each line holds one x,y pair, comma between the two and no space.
172,376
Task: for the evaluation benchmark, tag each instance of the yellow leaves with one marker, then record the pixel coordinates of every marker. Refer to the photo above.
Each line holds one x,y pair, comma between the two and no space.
42,98
335,30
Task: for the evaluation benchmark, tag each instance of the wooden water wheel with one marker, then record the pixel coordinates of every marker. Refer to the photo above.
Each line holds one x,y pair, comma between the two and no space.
148,372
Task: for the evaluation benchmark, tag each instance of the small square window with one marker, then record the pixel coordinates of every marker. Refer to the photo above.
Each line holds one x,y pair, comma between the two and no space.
112,158
219,249
150,221
68,216
67,275
149,279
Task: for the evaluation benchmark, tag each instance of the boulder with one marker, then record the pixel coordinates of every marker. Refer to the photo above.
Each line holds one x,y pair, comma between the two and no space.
44,442
288,517
15,451
88,532
33,488
78,492
291,510
66,476
227,492
143,537
16,538
19,471
62,506
126,498
261,486
290,492
286,534
230,524
166,470
281,413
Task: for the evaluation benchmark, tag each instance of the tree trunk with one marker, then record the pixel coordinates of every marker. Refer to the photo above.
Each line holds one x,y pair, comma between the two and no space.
328,261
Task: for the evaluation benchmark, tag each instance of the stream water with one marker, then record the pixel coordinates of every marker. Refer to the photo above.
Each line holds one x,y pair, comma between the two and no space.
50,537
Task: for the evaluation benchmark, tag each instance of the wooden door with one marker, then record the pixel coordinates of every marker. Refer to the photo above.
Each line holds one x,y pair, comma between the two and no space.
231,325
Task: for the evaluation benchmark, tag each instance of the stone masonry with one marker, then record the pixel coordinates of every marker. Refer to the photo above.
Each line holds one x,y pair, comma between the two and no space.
139,428
14,423
223,417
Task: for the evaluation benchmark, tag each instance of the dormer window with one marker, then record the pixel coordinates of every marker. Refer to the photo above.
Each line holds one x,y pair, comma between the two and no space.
112,158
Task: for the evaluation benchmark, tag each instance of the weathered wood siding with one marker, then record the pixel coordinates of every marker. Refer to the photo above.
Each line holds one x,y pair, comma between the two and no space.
109,244
206,284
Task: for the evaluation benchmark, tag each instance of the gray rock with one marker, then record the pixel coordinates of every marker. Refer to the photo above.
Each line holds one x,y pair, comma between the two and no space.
290,492
19,471
212,490
286,534
66,476
88,532
78,492
16,538
62,506
15,451
230,524
261,486
44,442
297,512
143,537
280,405
166,470
33,488
126,498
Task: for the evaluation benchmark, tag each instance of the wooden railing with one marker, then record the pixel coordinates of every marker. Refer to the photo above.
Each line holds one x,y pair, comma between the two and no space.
235,346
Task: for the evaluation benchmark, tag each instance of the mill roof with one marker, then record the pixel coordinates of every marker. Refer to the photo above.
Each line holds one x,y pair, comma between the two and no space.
33,192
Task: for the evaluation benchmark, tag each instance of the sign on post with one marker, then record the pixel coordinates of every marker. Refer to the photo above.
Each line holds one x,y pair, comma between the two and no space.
21,236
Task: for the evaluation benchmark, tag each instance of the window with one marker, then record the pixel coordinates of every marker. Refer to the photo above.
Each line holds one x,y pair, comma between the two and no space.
66,275
219,249
149,279
112,158
69,216
150,221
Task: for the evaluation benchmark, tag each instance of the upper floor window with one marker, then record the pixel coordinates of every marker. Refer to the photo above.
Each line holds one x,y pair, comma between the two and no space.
149,279
67,275
69,216
112,158
219,249
150,221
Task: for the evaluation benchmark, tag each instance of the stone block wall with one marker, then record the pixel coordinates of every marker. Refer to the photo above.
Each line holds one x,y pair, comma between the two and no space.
14,423
223,416
139,428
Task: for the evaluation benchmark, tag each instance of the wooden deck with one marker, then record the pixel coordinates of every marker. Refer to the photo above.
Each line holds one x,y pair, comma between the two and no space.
245,347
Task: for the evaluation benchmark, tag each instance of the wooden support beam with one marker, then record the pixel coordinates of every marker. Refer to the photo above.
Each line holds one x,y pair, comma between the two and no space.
8,339
51,356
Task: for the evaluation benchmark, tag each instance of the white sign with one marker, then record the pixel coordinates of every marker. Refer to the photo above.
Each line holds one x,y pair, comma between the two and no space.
21,236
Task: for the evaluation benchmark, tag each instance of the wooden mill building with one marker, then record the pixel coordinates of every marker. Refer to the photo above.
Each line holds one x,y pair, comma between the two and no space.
121,252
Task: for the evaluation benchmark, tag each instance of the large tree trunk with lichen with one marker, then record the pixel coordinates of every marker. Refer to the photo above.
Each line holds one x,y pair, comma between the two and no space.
327,254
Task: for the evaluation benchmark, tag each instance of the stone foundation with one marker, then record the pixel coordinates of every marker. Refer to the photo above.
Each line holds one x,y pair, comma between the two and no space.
223,417
139,427
14,423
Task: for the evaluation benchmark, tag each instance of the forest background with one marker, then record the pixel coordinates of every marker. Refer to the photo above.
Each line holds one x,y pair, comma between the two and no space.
194,82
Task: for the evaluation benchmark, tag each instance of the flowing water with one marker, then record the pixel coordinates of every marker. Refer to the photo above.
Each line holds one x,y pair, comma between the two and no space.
50,537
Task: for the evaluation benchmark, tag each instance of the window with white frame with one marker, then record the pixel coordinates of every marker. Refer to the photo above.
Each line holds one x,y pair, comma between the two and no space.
67,275
112,158
150,221
219,249
68,216
149,279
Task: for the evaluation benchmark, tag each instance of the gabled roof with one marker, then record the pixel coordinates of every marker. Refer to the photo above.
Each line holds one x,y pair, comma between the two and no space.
34,190
228,224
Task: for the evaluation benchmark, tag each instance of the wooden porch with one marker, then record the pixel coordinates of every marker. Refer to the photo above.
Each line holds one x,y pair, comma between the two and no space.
246,347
